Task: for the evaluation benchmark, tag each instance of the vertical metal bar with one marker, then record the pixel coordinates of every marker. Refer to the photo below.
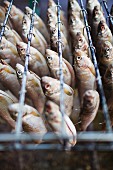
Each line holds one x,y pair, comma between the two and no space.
62,108
23,88
6,19
108,13
99,81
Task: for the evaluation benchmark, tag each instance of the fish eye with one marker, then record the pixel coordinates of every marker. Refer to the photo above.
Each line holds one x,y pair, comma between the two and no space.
47,86
78,57
49,58
24,22
53,31
19,73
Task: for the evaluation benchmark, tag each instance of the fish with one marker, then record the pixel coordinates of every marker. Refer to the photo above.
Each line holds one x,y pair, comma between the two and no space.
9,51
33,88
66,51
32,121
16,16
37,62
37,41
103,34
8,78
90,4
38,23
91,101
106,57
51,88
110,24
74,8
54,119
5,101
85,73
11,35
53,64
97,16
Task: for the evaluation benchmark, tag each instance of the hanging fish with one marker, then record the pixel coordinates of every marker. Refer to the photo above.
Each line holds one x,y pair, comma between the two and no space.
32,121
89,109
16,16
8,78
53,64
5,101
37,62
85,73
9,51
37,41
33,87
106,57
97,16
11,35
51,88
54,119
38,23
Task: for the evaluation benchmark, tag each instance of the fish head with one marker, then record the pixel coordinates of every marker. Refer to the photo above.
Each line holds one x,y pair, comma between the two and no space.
28,11
79,57
101,27
19,71
89,98
21,48
107,50
52,58
96,13
80,40
25,23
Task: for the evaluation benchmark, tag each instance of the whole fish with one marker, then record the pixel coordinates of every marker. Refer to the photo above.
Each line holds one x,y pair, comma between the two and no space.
5,101
106,57
65,46
37,41
33,88
54,119
97,16
8,78
51,88
110,24
38,23
16,16
90,4
37,62
9,51
89,109
11,35
31,119
53,64
85,73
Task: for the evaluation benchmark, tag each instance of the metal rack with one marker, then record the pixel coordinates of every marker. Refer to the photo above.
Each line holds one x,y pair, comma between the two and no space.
101,140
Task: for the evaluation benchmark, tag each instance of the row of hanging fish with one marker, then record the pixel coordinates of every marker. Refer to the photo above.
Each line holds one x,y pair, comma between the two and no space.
41,112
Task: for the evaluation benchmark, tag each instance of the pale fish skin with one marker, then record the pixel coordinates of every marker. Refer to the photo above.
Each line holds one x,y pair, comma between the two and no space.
38,23
11,35
91,101
5,101
8,78
103,34
66,52
106,57
37,41
75,9
97,16
33,88
9,51
54,119
53,64
85,73
37,62
90,4
51,88
16,16
32,122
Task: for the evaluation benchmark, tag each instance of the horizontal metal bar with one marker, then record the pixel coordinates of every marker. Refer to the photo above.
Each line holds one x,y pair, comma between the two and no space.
81,137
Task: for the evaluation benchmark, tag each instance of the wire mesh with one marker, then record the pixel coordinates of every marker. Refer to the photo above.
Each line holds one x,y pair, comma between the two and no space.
81,137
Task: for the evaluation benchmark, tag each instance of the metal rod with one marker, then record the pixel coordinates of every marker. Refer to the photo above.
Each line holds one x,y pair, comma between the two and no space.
98,77
108,13
6,19
62,107
23,87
